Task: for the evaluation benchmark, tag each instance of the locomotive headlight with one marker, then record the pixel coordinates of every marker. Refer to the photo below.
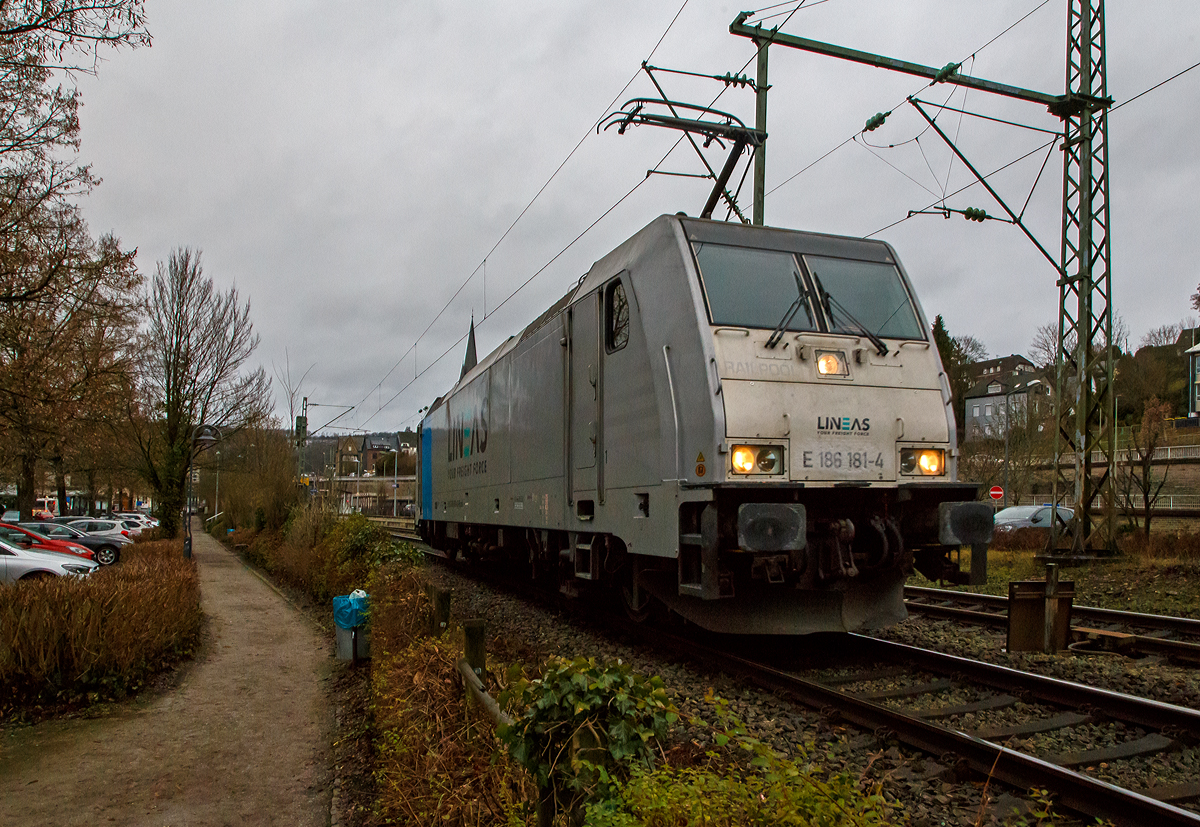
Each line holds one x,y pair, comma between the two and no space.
757,459
768,460
743,459
927,462
831,363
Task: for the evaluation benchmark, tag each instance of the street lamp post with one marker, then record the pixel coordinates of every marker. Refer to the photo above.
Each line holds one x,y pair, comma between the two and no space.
217,492
203,436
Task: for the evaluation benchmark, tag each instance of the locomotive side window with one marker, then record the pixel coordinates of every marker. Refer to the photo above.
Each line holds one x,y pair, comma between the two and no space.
752,288
867,293
616,314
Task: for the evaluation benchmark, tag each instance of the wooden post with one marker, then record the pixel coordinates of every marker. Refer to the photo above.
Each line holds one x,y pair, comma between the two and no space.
475,646
439,600
1049,640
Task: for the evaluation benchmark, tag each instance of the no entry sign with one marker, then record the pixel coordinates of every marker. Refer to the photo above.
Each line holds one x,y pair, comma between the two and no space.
996,492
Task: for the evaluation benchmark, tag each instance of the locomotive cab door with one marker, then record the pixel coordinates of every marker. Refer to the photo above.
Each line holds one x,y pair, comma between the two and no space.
585,390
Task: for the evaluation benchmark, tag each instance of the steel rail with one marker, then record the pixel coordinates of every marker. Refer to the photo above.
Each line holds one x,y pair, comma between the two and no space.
1178,650
1076,791
1180,625
1142,711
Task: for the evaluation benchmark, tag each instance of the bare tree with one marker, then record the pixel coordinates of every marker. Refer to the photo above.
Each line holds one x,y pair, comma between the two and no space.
1137,472
65,351
1163,335
39,126
193,350
971,349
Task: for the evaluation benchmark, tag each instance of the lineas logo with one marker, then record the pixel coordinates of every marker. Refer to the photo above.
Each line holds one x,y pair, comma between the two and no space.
469,433
843,425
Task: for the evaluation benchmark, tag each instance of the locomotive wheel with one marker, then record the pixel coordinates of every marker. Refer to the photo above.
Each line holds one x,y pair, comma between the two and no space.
639,607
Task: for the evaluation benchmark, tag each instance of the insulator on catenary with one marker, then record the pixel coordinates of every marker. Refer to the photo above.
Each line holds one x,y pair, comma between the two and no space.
974,214
875,121
946,71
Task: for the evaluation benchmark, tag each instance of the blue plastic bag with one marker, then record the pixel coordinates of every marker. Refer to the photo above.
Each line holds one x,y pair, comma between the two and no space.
350,610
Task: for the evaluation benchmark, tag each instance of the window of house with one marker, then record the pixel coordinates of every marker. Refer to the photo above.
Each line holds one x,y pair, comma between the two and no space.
987,410
994,387
616,314
974,410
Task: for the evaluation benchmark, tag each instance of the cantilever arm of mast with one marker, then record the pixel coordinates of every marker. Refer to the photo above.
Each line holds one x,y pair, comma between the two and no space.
948,74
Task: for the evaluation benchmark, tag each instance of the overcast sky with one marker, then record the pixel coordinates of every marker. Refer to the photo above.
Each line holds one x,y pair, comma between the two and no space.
349,165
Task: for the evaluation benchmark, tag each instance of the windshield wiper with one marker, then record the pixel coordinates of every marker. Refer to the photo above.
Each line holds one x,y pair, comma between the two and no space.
777,333
830,302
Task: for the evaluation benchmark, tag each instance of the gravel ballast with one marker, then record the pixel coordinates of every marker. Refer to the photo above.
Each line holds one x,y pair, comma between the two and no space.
928,789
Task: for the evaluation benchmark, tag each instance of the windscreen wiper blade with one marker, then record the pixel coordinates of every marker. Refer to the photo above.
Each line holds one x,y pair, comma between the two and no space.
830,302
777,333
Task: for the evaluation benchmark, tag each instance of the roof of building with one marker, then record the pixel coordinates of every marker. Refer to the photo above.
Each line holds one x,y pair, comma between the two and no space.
1004,384
1004,365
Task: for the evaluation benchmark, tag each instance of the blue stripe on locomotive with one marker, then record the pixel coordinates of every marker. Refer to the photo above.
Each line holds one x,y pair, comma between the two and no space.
426,474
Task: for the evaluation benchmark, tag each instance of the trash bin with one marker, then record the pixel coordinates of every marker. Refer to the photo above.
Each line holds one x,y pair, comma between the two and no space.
350,619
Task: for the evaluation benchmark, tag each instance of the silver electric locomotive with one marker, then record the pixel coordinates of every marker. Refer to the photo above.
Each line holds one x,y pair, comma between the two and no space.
748,426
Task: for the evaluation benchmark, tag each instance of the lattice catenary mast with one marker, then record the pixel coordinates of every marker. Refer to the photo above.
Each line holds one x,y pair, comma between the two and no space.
1084,410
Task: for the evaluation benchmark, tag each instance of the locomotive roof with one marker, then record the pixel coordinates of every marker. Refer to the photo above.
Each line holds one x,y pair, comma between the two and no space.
695,229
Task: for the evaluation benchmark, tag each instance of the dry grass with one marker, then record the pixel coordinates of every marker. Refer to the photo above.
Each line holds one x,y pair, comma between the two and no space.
1163,545
64,640
437,757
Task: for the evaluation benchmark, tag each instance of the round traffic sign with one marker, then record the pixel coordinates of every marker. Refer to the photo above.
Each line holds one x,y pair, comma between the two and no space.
996,492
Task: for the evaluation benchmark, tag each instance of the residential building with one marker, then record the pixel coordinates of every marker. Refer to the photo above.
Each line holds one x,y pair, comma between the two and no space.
999,399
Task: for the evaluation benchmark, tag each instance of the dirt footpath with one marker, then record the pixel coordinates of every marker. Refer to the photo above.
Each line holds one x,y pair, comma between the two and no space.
242,740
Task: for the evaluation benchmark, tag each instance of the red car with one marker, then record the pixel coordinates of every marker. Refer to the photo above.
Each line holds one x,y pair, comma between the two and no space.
25,538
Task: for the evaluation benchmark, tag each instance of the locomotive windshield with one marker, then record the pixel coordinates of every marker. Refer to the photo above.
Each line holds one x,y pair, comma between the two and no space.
864,292
751,288
748,287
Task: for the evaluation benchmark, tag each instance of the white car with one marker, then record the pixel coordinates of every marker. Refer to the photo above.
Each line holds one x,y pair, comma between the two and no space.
108,528
146,520
18,563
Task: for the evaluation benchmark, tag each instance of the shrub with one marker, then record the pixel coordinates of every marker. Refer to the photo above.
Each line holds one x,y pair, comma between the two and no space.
64,639
582,726
350,553
786,792
436,757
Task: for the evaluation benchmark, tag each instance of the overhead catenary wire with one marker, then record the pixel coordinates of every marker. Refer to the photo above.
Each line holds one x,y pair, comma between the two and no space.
526,209
852,137
965,187
578,237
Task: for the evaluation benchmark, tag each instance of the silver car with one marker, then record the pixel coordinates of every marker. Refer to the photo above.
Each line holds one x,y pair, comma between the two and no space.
27,564
1030,516
104,528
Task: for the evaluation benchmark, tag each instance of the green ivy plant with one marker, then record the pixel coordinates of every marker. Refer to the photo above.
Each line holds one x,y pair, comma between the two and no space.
582,726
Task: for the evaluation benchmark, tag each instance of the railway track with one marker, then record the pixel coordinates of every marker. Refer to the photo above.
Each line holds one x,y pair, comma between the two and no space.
401,528
1176,638
979,718
898,689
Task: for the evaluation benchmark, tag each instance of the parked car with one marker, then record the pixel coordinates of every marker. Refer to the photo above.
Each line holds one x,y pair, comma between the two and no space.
145,519
107,548
101,527
18,563
23,537
11,515
1030,516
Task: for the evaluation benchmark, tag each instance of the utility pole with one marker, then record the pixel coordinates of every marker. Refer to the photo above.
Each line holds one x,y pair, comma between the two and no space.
760,123
1084,363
